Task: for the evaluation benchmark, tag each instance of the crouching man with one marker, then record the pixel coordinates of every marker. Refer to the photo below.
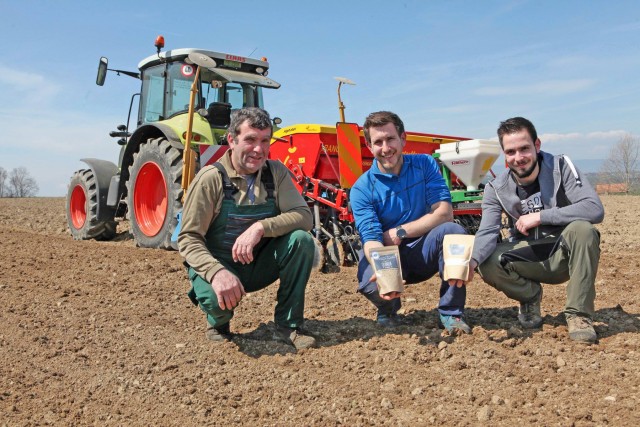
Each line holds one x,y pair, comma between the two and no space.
551,210
403,200
244,226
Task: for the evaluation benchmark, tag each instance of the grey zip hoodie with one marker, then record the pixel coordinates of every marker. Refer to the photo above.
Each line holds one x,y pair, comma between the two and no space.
566,197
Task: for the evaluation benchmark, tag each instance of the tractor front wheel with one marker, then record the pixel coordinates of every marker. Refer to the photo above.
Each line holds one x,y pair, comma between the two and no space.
82,209
155,193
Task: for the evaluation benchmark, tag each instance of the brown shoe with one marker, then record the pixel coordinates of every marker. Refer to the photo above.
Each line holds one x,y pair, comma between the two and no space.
294,337
581,329
218,333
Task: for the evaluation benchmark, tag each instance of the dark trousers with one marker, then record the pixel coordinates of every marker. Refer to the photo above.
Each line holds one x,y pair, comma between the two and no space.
420,259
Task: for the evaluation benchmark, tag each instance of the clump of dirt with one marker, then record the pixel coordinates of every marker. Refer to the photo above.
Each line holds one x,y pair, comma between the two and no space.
103,333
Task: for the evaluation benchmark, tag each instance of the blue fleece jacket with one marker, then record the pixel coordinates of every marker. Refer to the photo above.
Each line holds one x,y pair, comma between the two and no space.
382,201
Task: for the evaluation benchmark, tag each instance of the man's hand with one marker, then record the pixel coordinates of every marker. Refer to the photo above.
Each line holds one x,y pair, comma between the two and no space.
527,222
391,295
460,283
228,289
242,250
390,238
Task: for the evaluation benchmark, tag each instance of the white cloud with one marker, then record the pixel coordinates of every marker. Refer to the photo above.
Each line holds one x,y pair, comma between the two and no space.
27,89
21,79
549,137
582,145
51,151
598,135
617,134
57,131
550,87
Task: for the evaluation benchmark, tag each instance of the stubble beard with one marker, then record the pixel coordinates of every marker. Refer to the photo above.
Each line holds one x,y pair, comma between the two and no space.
527,172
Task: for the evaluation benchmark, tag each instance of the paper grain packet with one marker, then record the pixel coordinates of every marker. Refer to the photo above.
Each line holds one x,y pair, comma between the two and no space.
457,250
386,265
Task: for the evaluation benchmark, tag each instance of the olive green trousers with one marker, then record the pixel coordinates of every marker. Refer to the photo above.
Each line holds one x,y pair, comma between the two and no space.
519,268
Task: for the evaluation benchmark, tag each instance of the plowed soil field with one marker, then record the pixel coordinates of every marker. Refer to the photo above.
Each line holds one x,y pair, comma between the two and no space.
102,333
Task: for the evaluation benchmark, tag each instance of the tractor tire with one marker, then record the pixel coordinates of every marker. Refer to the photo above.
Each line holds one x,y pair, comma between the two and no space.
155,193
82,209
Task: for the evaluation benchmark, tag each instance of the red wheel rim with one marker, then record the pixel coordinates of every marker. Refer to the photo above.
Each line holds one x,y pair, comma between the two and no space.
150,199
78,207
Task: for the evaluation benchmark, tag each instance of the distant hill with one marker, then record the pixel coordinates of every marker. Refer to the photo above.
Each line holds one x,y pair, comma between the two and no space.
595,178
590,168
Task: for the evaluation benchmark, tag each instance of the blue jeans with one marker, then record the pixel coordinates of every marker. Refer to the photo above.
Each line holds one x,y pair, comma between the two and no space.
420,258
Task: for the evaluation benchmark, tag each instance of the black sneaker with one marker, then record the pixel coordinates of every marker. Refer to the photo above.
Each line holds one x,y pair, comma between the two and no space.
294,337
529,313
581,329
389,320
218,333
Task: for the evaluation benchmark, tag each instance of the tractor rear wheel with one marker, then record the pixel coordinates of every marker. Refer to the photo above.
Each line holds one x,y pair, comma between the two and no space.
82,209
155,193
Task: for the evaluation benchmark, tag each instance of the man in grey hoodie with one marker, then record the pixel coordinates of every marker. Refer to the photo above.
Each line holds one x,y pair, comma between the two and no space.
550,211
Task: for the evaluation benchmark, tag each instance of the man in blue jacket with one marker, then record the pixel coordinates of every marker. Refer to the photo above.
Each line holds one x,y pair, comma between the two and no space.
403,200
551,210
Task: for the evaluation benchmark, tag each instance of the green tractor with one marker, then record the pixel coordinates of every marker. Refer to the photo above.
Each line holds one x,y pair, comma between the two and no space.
154,169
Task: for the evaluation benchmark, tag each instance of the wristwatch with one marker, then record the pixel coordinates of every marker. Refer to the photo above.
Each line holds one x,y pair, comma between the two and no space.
401,232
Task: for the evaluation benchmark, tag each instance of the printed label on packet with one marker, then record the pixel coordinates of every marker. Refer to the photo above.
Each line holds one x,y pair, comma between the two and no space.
388,269
457,254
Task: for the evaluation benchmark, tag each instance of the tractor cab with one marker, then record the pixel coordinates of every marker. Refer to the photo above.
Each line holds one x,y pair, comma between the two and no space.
231,82
185,103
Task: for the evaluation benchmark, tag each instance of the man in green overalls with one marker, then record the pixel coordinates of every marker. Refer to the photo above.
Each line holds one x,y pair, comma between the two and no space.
244,226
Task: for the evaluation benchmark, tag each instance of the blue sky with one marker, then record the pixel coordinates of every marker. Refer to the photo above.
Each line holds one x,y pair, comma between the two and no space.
449,67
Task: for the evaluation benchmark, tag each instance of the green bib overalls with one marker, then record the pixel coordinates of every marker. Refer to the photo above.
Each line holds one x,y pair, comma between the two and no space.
288,257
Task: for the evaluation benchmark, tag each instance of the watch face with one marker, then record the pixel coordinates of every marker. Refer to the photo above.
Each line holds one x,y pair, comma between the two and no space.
401,233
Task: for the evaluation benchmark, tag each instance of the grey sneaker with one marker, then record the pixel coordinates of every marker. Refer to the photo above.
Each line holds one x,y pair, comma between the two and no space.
294,337
529,313
581,329
218,333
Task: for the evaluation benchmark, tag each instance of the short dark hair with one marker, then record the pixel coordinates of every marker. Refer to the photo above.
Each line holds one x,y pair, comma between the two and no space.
381,118
516,124
257,118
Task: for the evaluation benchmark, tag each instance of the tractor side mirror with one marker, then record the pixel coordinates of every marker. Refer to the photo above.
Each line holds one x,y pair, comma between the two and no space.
102,71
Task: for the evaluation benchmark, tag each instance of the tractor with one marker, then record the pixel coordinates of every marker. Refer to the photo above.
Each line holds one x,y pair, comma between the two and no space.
154,169
185,100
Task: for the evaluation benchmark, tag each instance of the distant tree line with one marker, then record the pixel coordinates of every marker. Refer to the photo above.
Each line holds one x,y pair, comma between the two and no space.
623,165
17,183
620,171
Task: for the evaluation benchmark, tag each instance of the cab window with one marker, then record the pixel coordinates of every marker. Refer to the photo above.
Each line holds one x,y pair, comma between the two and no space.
152,95
179,83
